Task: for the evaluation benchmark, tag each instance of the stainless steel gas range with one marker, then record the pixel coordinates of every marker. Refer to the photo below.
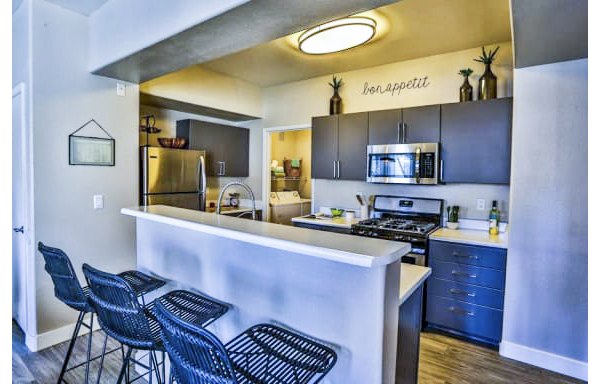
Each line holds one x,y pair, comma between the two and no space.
406,219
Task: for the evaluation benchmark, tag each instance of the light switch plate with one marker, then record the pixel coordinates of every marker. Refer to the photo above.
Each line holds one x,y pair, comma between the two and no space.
481,204
120,89
98,201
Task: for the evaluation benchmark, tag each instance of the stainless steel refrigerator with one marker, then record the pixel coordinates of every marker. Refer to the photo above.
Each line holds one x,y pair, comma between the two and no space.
174,177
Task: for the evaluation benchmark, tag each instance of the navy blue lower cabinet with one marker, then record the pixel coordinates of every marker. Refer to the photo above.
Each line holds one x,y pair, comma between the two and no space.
468,293
485,277
465,294
478,256
468,319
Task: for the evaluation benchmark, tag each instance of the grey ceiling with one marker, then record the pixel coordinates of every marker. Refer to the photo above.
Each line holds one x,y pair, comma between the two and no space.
549,31
250,24
84,7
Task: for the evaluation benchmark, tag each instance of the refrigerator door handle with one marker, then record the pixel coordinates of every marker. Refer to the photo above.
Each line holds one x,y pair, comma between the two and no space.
202,183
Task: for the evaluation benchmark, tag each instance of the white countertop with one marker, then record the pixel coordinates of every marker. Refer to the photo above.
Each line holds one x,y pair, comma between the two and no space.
411,277
348,249
471,236
340,222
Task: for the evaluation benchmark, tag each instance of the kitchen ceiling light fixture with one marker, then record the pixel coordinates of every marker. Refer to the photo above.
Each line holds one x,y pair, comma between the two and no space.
337,35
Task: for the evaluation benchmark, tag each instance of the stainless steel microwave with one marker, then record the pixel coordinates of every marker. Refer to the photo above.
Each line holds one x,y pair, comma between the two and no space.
415,163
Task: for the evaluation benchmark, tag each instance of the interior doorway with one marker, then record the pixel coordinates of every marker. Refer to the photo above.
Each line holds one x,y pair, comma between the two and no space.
22,220
287,187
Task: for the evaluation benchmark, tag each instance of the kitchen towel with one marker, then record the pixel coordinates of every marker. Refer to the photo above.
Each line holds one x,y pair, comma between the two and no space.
295,163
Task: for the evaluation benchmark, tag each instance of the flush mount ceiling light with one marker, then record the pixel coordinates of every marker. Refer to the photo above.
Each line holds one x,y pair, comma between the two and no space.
337,35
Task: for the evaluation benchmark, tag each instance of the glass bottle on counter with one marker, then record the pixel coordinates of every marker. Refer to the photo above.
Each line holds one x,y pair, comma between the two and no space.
494,219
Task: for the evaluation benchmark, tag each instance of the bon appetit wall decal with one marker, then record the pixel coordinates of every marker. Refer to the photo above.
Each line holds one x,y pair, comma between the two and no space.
394,89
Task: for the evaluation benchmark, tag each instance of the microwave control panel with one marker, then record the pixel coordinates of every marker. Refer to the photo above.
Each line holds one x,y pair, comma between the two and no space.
427,165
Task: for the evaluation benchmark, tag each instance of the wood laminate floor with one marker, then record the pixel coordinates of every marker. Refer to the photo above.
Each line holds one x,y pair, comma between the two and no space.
443,360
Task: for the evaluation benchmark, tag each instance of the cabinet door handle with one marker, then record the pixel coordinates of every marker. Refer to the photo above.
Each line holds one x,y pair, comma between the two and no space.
404,126
441,170
399,132
338,169
472,257
334,169
459,311
461,292
465,274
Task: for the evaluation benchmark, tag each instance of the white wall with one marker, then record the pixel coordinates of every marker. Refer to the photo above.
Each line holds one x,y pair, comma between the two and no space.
20,44
296,103
545,310
122,27
65,96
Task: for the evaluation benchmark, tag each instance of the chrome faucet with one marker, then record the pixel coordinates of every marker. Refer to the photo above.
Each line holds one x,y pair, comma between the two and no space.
246,187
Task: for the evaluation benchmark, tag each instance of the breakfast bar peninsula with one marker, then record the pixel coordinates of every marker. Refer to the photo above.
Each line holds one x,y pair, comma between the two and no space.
340,289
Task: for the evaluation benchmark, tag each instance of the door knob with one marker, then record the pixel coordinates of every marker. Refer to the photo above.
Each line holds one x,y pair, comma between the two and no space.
20,229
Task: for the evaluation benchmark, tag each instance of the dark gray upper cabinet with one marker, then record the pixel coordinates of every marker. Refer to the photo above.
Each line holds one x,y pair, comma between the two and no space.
339,146
227,147
475,141
384,127
421,124
352,146
324,141
407,125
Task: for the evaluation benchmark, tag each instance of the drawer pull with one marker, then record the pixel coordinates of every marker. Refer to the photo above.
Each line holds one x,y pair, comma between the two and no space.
472,257
461,292
459,311
465,274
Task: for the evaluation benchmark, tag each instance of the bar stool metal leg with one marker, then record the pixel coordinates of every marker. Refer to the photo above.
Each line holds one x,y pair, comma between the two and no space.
71,345
125,366
89,349
102,359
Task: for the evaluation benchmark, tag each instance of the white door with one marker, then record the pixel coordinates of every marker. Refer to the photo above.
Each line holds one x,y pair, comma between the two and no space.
19,208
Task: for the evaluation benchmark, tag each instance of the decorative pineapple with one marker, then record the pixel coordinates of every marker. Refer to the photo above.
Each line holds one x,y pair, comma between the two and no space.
466,90
335,103
487,81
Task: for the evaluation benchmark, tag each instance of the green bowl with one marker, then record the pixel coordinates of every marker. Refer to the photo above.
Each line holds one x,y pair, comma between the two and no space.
336,212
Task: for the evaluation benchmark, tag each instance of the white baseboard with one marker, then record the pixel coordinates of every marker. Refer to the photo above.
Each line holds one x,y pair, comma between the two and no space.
561,364
44,340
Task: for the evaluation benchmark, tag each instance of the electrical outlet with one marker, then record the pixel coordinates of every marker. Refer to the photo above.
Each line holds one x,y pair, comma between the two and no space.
98,202
481,204
120,89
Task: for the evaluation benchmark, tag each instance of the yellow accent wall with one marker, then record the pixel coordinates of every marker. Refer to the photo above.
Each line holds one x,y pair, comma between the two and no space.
197,85
297,102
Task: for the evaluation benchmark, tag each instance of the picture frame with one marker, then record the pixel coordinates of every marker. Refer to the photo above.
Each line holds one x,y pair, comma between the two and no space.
85,150
91,150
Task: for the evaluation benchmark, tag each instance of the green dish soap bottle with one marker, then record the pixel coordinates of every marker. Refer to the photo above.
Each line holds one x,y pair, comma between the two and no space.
494,219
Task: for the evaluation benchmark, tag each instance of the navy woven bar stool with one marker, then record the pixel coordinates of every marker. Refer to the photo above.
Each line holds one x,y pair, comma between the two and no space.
68,290
263,354
134,325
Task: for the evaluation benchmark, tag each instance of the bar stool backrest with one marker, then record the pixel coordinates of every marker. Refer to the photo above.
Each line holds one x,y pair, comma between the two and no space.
197,356
119,312
66,285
